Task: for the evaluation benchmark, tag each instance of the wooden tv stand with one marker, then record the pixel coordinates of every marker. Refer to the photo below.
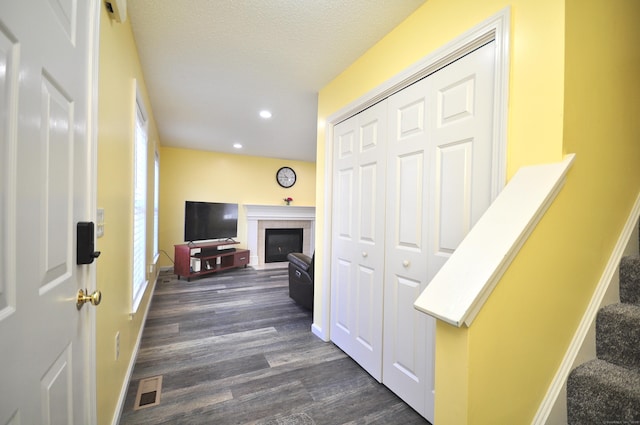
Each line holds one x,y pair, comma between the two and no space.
192,260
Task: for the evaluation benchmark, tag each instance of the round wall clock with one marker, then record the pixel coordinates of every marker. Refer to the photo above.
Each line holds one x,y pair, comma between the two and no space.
286,177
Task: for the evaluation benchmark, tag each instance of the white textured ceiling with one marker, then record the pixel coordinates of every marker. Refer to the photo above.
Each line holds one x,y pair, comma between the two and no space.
211,65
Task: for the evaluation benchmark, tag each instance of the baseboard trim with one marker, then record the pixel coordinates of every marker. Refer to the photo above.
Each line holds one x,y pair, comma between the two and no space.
125,384
590,315
317,331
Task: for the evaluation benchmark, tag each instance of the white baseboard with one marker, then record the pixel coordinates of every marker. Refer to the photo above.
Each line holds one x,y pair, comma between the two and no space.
560,379
317,331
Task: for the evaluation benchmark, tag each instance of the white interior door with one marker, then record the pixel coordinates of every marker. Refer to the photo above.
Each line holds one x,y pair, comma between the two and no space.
439,150
45,189
358,237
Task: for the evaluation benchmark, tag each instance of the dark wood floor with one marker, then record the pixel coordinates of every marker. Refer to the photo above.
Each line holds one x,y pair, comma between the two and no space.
233,348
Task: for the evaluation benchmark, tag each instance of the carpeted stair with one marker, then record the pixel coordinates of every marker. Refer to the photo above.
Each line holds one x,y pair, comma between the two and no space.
607,389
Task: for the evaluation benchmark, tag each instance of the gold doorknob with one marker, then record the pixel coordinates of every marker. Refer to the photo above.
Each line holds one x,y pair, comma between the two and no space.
83,298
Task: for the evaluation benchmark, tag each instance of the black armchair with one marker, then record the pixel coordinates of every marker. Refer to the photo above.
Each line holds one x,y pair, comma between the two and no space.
301,278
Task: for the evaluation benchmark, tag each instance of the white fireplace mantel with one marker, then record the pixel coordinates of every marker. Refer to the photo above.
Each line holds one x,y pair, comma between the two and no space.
266,213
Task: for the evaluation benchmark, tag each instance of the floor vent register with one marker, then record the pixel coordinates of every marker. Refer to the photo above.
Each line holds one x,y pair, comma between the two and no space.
148,392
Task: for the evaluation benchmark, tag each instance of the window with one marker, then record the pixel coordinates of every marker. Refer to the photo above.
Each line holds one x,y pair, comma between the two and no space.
139,206
156,203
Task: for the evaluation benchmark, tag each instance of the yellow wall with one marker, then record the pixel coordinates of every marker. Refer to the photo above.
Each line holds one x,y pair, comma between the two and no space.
218,177
580,97
520,337
119,66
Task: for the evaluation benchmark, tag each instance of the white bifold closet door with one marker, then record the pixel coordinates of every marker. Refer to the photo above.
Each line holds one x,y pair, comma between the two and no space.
436,161
357,265
439,183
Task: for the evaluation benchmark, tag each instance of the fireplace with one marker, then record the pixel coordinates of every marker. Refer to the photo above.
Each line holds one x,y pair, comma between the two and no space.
280,242
263,217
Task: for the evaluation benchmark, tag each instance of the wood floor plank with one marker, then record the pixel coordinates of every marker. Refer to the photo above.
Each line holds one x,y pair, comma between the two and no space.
233,348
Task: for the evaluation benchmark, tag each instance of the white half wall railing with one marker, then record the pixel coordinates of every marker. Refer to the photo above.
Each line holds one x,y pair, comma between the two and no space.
459,290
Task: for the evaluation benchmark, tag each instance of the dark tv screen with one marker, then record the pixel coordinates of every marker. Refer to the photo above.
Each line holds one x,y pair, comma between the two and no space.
210,220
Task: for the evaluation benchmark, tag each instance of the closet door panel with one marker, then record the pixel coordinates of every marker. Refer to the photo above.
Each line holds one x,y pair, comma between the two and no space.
405,334
342,299
461,130
410,119
343,232
409,202
366,333
404,292
453,195
343,237
358,237
367,223
345,194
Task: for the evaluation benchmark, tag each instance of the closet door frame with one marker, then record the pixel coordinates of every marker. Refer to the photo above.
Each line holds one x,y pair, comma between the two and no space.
495,28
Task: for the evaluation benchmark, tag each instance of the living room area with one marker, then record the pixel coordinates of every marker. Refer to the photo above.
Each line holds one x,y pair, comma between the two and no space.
182,174
200,175
246,181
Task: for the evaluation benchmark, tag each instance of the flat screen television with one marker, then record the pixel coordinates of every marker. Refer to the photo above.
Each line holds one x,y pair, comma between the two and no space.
210,220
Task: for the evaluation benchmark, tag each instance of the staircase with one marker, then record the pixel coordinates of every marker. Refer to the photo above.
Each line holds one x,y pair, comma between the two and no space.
607,389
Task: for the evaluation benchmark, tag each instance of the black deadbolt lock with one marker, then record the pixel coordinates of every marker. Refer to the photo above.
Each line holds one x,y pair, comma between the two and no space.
85,249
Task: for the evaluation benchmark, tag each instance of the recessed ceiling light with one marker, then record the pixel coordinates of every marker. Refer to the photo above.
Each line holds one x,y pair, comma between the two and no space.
265,114
237,145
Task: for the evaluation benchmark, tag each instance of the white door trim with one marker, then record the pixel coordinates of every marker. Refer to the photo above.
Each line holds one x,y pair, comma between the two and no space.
92,178
495,28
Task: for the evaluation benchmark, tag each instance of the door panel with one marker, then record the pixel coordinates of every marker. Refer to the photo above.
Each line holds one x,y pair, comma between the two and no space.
461,136
440,142
453,205
343,234
345,197
368,195
365,332
356,322
410,120
409,158
409,203
456,101
8,145
404,354
342,297
45,367
56,118
56,390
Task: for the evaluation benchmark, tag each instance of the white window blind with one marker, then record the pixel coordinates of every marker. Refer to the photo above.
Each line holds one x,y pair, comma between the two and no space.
156,204
139,207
